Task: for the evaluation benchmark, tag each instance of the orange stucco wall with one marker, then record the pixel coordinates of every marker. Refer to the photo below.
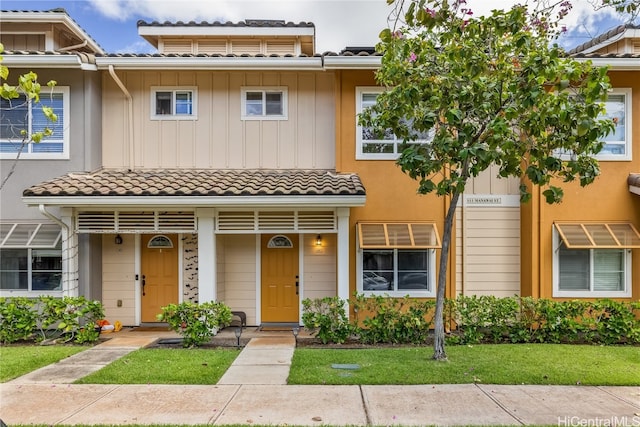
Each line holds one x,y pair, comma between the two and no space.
606,200
391,195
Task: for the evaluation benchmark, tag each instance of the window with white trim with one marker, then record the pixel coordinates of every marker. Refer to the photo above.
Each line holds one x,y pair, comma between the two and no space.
598,272
266,103
173,103
397,259
373,147
617,145
21,118
31,270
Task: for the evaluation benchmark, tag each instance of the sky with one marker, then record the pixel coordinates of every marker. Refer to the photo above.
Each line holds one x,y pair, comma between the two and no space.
339,23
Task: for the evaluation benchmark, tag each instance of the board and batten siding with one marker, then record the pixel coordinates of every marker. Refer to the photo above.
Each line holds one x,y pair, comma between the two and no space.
220,268
118,279
219,138
240,272
319,267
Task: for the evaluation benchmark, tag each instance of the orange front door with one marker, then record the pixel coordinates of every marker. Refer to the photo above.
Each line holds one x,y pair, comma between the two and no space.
159,275
280,300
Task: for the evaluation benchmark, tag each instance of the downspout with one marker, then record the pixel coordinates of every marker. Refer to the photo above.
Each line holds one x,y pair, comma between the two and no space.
65,258
130,113
76,46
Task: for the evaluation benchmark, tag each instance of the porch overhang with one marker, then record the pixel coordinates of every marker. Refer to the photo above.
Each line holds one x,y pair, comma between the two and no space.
199,188
634,183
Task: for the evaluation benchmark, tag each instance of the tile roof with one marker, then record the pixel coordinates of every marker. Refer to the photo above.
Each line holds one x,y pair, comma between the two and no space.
634,179
603,37
606,55
254,23
200,182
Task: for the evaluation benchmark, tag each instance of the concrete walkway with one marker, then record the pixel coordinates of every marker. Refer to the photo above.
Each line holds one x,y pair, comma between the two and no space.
254,392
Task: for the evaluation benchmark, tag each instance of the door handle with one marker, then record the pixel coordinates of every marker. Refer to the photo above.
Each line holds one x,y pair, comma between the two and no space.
144,282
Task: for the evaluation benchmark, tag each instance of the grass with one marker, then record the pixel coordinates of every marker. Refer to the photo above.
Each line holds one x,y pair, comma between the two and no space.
19,360
549,364
165,366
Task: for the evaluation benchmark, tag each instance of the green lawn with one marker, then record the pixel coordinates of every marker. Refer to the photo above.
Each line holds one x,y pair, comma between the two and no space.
19,360
554,364
165,366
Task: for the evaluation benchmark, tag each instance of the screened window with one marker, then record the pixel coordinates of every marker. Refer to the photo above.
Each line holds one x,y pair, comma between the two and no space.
599,272
377,147
31,269
173,103
21,118
264,103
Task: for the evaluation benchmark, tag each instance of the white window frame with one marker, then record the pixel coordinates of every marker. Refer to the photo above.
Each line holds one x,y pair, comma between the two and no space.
244,90
360,154
62,123
628,123
558,293
29,292
174,89
431,293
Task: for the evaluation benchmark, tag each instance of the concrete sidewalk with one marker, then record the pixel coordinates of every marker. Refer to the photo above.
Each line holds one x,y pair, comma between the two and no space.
317,405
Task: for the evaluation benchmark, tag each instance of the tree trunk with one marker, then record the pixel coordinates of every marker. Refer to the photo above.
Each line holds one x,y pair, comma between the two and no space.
438,333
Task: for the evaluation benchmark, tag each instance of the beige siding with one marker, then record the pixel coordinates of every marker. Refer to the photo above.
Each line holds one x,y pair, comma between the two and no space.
319,267
489,182
118,279
488,255
189,267
219,138
220,268
23,42
240,274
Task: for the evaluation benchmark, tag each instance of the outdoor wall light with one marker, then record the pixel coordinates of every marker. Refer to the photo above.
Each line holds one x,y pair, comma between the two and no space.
238,332
318,240
118,240
295,331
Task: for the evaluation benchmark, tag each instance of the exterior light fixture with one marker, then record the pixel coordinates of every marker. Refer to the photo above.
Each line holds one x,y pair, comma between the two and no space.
118,240
318,240
238,332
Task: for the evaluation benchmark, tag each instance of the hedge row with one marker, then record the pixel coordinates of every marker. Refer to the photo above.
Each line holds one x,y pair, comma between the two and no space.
65,319
475,319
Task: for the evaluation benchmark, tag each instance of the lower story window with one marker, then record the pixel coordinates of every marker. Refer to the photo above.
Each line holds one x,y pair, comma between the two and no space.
399,271
593,272
38,270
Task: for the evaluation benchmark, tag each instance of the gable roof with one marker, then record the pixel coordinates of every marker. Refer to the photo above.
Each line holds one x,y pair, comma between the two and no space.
611,36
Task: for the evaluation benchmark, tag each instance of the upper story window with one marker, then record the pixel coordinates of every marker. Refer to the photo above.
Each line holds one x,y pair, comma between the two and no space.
173,103
21,118
368,146
617,145
264,103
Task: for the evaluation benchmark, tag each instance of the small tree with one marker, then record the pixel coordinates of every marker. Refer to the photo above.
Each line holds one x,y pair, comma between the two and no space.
487,91
27,90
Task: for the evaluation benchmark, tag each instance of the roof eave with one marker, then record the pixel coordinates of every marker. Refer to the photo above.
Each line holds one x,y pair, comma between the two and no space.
208,63
222,30
46,61
627,33
615,64
352,62
198,201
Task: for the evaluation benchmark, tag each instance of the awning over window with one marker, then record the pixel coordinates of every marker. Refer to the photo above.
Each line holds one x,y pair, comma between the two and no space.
417,235
599,235
29,235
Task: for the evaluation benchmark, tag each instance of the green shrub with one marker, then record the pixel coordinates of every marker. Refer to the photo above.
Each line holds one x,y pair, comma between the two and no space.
393,320
197,323
70,318
18,319
327,318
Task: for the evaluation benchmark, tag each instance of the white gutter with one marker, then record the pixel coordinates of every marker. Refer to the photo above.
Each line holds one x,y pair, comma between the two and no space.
197,201
224,30
615,64
39,61
209,63
65,257
369,62
130,113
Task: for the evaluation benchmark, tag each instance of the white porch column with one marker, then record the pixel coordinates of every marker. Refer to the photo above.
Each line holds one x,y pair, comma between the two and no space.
343,255
70,286
207,286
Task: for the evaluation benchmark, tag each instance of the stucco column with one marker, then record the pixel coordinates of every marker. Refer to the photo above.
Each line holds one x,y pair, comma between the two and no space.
207,286
343,255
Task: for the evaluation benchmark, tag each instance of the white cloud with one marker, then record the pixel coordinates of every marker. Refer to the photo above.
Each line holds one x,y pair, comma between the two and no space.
339,23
